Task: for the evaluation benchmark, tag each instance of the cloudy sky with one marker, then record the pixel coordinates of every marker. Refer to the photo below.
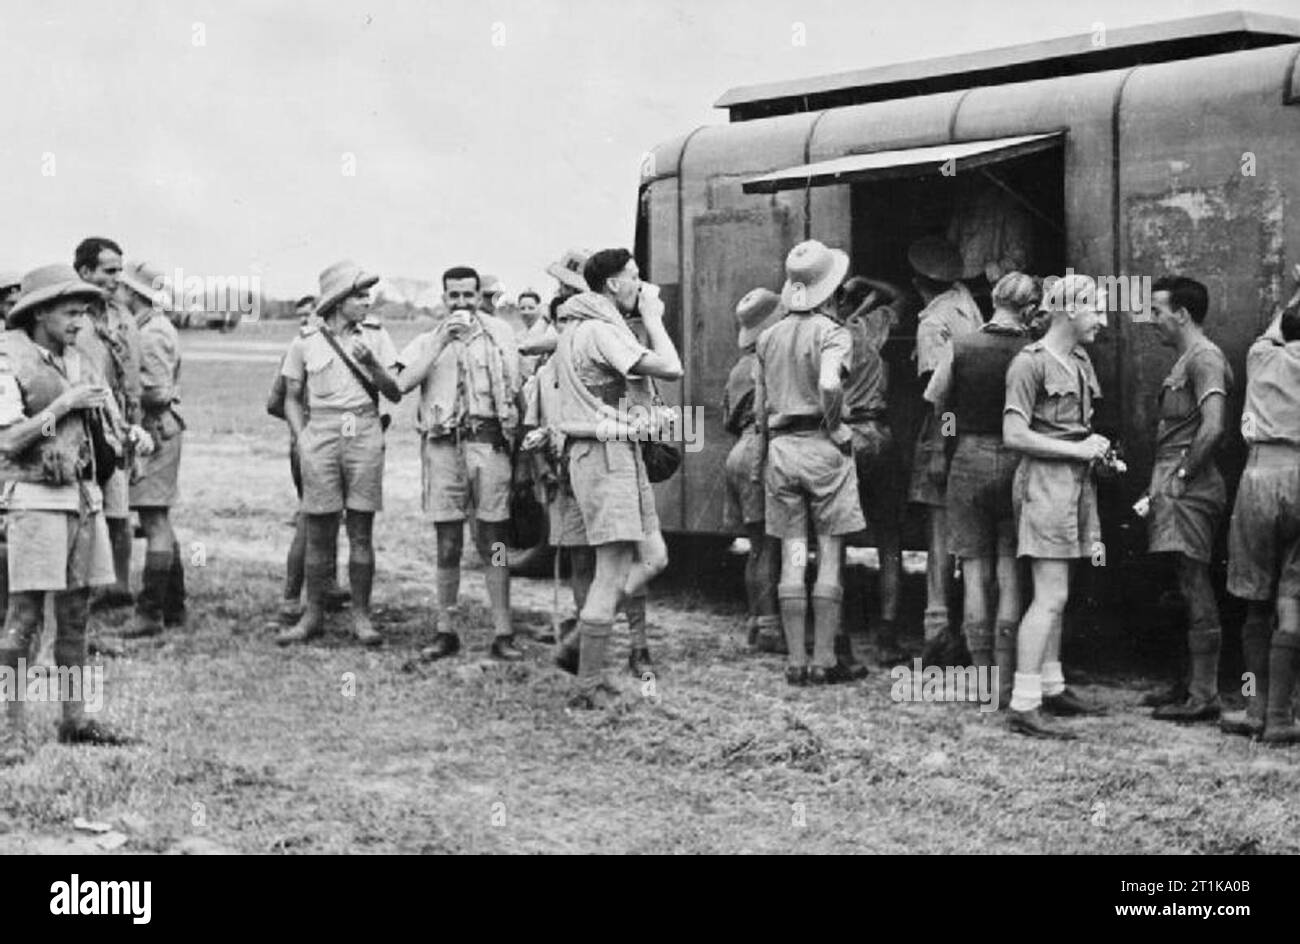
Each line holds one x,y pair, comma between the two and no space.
271,138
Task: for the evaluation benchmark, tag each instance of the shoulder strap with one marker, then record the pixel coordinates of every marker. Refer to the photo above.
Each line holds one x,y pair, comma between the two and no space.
371,390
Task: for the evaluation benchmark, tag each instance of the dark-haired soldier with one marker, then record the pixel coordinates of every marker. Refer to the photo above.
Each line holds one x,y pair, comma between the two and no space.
1187,498
1264,536
600,364
112,341
467,369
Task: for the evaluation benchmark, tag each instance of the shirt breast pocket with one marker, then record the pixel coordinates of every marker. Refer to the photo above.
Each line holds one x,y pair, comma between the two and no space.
322,379
1063,406
1175,398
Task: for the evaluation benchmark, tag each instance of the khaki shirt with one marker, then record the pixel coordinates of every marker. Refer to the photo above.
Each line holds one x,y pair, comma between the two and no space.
330,383
160,361
1201,372
788,366
458,386
1055,397
117,328
1272,409
950,315
868,379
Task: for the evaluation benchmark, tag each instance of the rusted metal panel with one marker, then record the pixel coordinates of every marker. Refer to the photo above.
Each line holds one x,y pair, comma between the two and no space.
1207,167
729,239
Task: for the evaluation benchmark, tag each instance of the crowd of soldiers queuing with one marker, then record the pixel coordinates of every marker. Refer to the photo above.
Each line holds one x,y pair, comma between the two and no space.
1004,463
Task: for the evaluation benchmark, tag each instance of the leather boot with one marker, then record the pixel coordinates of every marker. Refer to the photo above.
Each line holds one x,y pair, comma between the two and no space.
1279,724
1004,657
769,637
173,611
794,621
153,591
1256,638
1202,703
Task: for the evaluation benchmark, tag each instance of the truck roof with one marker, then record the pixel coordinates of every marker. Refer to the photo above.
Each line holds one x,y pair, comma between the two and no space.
1186,38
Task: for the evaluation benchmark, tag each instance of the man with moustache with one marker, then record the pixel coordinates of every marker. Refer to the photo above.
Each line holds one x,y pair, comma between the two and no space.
467,369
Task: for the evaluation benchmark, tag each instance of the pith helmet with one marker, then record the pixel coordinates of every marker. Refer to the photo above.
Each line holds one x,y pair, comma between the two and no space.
45,285
813,273
759,309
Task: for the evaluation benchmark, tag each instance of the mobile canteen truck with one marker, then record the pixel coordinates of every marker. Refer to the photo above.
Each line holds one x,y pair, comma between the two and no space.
1161,149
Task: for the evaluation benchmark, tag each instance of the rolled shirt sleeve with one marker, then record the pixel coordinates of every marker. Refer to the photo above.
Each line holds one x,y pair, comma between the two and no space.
1023,382
1208,374
616,349
294,367
385,350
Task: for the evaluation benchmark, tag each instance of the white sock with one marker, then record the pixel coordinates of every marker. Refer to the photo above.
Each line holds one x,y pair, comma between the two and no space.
1027,694
1053,679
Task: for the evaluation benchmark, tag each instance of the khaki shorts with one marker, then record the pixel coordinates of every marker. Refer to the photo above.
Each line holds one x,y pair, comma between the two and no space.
1186,525
342,459
465,480
805,471
156,486
981,518
929,464
745,495
1055,503
1264,536
612,491
567,529
58,550
117,496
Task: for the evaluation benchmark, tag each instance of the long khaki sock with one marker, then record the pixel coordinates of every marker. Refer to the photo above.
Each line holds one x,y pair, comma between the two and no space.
794,621
1256,637
1004,656
634,607
447,582
593,645
828,605
1281,679
979,640
497,579
1203,647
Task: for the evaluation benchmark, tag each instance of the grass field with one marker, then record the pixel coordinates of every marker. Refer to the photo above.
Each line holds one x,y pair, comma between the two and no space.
331,748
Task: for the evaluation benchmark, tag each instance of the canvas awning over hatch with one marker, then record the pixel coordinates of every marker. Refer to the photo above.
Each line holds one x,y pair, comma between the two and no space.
907,162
